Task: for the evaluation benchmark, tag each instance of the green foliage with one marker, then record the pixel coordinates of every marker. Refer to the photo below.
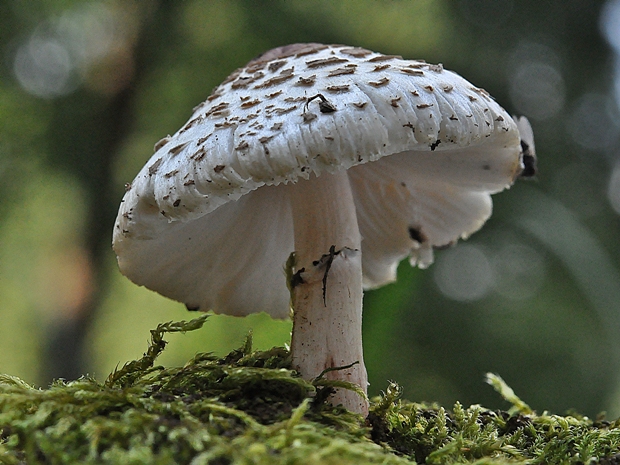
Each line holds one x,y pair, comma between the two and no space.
251,408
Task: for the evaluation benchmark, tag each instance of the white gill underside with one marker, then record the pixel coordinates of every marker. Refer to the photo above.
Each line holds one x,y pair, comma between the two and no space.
232,260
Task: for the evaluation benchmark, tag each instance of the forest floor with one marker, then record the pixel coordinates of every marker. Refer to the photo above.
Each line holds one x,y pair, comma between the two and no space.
251,408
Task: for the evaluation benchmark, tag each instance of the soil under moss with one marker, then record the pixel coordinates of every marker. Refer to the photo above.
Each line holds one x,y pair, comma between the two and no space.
251,408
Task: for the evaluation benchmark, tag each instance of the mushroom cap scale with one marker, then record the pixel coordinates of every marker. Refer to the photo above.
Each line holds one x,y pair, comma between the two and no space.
207,221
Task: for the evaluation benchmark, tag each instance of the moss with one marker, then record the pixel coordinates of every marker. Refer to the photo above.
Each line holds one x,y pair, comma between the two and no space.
250,408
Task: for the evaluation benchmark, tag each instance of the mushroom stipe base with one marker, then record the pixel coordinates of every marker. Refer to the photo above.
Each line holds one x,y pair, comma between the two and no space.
250,407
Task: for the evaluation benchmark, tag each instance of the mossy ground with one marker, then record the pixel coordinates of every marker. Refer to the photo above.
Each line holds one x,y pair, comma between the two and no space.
250,408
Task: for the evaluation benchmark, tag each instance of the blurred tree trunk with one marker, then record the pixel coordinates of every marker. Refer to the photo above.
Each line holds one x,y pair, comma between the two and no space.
102,123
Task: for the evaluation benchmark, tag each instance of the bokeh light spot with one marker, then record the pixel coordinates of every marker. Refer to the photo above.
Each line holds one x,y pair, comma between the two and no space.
610,23
464,273
613,190
44,67
519,271
57,56
591,124
537,90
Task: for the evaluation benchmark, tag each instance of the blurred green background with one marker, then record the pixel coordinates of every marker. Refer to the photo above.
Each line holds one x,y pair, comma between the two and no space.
87,88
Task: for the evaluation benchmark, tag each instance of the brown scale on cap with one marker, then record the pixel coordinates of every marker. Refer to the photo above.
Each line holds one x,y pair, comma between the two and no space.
177,149
381,82
155,166
295,99
244,81
321,62
161,143
356,52
250,103
341,72
307,81
336,89
276,65
412,72
288,51
274,81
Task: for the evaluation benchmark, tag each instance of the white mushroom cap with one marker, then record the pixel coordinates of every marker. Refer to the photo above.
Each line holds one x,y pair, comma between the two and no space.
208,221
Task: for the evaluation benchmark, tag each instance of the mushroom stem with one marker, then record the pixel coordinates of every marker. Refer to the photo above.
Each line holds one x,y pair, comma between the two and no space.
327,292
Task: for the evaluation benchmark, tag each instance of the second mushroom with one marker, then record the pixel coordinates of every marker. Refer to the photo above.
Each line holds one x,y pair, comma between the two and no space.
350,159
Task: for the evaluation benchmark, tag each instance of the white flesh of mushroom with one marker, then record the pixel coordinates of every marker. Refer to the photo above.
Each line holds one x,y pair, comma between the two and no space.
259,172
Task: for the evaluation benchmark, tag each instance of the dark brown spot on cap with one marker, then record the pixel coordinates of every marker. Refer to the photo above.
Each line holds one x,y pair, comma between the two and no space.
202,140
274,81
384,58
171,173
287,51
250,103
295,99
412,72
335,89
161,143
356,52
283,111
276,65
199,155
219,107
155,166
319,63
341,71
307,81
245,81
177,149
381,82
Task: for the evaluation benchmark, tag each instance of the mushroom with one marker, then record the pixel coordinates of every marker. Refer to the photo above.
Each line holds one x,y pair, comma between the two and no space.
351,159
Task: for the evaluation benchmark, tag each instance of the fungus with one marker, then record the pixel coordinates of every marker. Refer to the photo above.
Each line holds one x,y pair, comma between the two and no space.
382,170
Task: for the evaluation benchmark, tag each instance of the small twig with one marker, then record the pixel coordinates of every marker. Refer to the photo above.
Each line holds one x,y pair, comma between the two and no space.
325,106
326,260
328,370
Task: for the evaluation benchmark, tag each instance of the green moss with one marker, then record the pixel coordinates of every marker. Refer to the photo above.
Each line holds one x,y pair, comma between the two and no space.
250,408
